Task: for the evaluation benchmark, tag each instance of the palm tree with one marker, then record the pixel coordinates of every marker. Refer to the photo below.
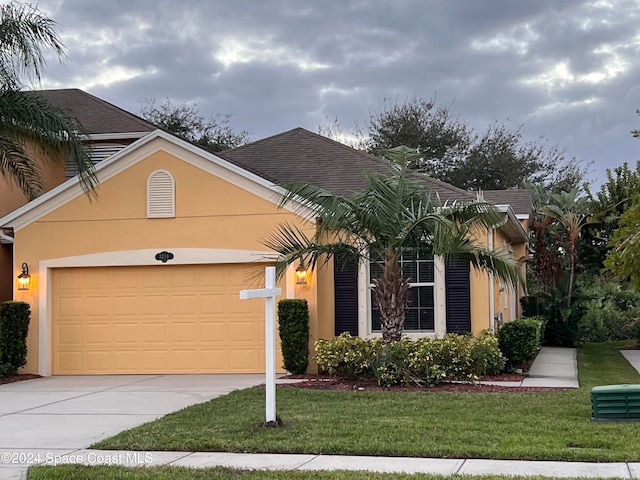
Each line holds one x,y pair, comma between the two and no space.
393,215
569,211
27,119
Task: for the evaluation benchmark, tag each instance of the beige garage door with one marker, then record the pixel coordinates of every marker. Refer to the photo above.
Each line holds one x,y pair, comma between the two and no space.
155,319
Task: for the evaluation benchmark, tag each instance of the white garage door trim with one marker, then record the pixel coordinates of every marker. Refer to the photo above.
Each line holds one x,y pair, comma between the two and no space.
181,256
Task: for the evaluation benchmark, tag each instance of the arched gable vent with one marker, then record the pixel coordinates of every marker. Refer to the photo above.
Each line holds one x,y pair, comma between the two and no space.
161,195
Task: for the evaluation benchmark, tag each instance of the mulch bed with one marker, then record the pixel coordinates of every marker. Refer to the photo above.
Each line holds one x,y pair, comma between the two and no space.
324,382
18,378
317,382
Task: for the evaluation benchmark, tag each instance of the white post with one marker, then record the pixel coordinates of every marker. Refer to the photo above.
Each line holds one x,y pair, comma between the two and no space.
269,294
270,344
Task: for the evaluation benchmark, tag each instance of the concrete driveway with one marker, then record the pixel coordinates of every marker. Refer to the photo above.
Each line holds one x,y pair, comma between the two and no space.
61,414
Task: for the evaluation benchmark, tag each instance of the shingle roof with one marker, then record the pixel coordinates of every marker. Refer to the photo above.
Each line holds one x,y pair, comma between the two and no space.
96,115
299,155
519,199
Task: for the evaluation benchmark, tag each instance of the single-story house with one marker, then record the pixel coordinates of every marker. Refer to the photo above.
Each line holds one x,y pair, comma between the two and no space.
146,278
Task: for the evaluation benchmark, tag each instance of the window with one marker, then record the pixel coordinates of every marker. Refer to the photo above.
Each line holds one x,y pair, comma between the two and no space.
161,190
420,314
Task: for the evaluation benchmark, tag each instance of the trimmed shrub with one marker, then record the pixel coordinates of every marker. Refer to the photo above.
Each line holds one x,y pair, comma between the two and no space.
345,356
519,340
486,355
14,327
453,354
425,362
391,363
293,319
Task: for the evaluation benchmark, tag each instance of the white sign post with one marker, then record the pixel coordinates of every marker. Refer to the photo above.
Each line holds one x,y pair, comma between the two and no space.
269,294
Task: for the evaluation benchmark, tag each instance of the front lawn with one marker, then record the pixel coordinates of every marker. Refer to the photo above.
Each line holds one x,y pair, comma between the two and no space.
80,472
536,426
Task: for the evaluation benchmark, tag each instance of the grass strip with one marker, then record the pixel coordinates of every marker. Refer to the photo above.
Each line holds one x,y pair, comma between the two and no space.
81,472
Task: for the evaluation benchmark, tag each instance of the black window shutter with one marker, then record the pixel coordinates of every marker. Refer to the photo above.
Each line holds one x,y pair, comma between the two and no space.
458,296
345,281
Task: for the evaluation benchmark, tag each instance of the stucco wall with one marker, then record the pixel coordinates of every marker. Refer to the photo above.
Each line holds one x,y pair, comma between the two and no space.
210,213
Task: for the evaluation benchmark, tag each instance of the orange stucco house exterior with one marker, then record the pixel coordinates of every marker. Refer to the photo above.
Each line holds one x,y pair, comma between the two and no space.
146,278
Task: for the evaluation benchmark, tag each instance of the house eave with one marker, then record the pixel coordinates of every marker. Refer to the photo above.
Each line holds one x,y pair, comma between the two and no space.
512,227
116,136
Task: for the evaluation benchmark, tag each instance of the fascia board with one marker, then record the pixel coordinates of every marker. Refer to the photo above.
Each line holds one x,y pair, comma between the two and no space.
515,229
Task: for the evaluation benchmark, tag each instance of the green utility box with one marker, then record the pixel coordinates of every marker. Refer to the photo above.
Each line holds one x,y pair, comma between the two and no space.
615,403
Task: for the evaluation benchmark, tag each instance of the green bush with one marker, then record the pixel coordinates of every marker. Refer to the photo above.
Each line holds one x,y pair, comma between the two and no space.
486,355
14,327
519,340
610,311
635,330
293,319
424,362
345,356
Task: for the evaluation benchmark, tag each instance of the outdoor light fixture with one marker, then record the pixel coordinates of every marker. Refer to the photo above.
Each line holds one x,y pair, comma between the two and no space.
301,273
24,279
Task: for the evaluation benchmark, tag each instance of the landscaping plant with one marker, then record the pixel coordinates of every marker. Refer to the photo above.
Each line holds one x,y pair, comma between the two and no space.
425,362
519,340
293,321
14,326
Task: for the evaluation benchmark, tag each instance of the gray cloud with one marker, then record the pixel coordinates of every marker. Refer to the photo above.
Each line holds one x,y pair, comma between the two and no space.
566,70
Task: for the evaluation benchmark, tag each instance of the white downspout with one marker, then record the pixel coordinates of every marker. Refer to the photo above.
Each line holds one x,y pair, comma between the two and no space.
491,292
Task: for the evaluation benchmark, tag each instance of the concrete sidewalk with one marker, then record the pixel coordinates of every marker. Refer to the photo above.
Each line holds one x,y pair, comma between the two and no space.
442,466
633,357
555,367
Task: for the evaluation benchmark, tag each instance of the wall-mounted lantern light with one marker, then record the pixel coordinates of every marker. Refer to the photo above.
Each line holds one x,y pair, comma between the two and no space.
24,279
301,273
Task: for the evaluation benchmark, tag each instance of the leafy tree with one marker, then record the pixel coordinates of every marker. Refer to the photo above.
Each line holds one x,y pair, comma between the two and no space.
451,151
392,215
184,120
26,119
606,207
624,257
442,139
498,159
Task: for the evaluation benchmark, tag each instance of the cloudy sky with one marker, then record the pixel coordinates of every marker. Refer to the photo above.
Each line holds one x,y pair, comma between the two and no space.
567,70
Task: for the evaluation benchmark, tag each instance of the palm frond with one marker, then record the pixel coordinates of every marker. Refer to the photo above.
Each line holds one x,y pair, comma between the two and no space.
24,34
17,167
292,244
32,119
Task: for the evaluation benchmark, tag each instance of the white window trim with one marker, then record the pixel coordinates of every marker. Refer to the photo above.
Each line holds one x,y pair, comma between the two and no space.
440,302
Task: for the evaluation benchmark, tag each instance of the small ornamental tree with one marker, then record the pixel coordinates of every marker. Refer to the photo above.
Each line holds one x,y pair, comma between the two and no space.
394,214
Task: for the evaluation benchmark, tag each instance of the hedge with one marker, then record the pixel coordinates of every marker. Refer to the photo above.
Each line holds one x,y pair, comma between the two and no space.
14,326
425,362
293,318
520,339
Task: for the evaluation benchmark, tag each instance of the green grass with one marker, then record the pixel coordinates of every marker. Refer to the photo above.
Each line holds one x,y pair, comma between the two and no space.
535,426
80,472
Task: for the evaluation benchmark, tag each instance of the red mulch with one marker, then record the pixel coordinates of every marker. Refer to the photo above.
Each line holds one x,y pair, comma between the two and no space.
324,382
371,385
18,378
